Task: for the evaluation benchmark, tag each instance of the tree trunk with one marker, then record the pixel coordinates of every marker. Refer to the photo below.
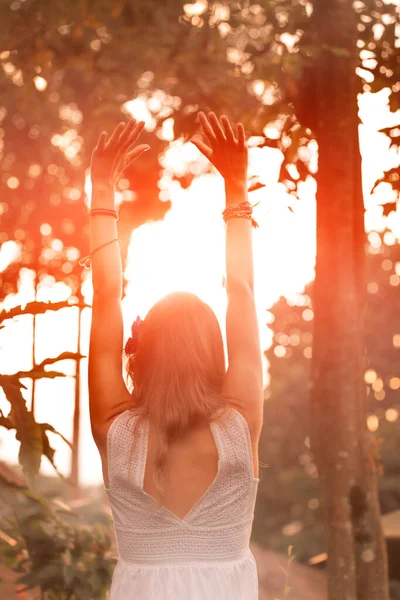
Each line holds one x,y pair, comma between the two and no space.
357,565
35,283
75,492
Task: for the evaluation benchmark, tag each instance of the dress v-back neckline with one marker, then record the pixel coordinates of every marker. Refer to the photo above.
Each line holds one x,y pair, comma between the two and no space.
144,445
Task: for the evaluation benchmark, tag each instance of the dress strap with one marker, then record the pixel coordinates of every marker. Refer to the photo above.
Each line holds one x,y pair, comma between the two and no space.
121,442
143,449
235,442
127,446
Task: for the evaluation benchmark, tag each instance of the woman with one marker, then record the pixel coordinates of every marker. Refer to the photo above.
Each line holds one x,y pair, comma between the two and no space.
180,452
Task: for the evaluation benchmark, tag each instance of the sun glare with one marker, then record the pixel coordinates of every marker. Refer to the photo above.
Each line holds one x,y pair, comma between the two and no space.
186,251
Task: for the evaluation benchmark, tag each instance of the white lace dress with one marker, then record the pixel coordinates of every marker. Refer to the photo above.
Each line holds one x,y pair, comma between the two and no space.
206,555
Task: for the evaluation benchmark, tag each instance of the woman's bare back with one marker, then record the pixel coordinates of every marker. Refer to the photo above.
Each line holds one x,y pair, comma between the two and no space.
191,468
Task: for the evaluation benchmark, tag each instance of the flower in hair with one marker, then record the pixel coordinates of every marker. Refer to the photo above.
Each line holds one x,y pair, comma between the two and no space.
131,344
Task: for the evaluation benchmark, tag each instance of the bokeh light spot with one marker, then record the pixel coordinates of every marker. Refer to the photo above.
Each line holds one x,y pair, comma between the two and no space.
394,383
13,183
372,287
392,415
35,170
279,351
372,422
45,229
370,376
396,340
308,314
40,83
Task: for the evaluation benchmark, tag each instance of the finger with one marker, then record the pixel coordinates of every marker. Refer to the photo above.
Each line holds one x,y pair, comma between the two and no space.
127,146
101,142
126,161
228,129
135,133
124,172
208,130
204,149
132,154
122,169
241,135
218,131
127,131
115,135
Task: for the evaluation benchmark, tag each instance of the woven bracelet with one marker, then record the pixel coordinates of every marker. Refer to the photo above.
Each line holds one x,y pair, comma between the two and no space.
242,210
253,221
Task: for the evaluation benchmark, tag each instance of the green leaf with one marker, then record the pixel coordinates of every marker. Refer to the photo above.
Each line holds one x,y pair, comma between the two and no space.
28,432
393,133
38,371
29,579
6,422
48,572
48,427
256,186
62,356
38,374
392,176
37,308
389,207
13,380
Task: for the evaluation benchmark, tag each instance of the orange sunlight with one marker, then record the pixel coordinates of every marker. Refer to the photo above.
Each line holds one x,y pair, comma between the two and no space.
186,251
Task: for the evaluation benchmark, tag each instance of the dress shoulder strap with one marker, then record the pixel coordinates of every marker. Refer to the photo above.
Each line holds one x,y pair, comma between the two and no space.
126,447
121,438
235,442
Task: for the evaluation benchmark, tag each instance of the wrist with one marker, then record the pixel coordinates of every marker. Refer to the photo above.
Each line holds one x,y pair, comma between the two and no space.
236,192
102,194
102,184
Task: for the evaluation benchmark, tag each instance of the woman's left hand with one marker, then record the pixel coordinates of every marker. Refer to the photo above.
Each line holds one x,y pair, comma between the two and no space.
112,159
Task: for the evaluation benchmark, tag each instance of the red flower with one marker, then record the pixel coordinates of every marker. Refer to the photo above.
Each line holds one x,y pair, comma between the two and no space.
131,344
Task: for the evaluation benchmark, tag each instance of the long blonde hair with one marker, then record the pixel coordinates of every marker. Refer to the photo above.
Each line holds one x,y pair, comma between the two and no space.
177,371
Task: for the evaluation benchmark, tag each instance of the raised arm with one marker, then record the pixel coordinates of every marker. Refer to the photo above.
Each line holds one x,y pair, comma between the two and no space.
108,395
243,381
110,160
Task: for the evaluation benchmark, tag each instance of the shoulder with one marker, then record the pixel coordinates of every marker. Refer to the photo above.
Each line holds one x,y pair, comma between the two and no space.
123,418
251,420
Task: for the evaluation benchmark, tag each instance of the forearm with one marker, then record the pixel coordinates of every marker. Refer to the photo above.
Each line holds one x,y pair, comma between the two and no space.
106,262
239,246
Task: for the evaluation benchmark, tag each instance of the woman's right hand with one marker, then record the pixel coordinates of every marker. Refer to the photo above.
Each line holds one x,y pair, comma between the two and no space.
113,159
226,151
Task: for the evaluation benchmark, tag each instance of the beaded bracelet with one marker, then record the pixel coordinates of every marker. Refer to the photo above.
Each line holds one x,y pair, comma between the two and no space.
242,210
